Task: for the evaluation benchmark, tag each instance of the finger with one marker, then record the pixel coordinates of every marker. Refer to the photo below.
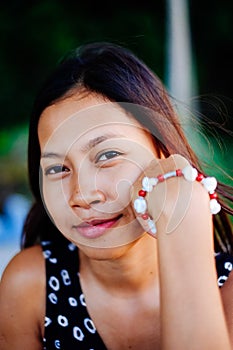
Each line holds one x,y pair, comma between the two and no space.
171,197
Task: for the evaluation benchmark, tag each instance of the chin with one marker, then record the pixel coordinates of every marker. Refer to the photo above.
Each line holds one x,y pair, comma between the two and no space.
105,254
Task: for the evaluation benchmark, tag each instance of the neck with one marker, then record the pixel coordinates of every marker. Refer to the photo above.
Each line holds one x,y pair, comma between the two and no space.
131,267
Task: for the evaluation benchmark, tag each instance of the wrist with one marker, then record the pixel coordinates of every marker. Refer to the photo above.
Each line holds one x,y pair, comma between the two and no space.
169,201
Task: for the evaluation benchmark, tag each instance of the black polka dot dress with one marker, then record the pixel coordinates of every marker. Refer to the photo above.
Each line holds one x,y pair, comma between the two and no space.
224,265
68,326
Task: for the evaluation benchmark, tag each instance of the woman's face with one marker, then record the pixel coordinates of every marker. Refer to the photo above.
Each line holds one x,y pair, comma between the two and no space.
91,154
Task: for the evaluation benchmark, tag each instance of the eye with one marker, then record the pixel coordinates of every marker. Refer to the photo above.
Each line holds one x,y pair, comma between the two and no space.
56,169
107,155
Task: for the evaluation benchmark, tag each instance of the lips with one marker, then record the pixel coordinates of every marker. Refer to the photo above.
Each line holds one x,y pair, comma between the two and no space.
96,228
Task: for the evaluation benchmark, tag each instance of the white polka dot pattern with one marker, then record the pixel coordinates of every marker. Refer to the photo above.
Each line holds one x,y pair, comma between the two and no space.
224,265
68,325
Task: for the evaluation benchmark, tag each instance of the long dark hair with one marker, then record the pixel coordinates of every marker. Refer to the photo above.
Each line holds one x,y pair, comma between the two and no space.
116,73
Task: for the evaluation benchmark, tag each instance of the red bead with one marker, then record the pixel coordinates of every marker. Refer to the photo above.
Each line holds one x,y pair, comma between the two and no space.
145,216
178,172
213,195
142,193
160,178
200,177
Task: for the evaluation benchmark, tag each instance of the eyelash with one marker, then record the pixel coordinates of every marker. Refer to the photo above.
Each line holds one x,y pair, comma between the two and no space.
113,154
58,169
54,170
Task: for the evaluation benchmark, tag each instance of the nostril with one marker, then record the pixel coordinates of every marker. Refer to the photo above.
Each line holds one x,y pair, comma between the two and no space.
87,199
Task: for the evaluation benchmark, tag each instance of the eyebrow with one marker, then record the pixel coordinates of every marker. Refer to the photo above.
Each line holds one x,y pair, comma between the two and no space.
51,155
97,140
91,143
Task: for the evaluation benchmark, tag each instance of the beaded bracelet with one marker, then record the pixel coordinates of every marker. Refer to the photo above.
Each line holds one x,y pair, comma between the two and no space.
190,174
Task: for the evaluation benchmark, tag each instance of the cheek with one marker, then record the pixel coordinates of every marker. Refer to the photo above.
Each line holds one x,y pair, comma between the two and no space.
117,182
55,199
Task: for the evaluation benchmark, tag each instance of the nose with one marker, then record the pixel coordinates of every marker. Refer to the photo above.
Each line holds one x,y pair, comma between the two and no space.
86,200
86,195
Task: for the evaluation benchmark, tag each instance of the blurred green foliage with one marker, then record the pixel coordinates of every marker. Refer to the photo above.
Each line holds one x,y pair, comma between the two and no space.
35,35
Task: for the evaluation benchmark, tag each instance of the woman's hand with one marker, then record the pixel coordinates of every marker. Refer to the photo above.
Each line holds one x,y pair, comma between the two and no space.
188,284
170,199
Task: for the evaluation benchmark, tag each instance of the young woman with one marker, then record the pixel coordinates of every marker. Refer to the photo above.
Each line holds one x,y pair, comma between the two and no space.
119,248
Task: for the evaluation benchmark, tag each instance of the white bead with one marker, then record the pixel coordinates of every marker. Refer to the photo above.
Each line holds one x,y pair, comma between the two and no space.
153,181
169,174
146,185
210,183
152,227
190,173
140,205
215,207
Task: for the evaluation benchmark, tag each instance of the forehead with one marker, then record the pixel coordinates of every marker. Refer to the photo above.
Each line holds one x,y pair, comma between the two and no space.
80,117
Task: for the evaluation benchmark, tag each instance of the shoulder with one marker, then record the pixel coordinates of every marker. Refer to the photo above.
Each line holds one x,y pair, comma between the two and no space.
22,298
25,269
24,274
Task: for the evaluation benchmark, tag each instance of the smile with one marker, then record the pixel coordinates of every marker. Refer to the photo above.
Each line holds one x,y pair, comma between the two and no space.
96,228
